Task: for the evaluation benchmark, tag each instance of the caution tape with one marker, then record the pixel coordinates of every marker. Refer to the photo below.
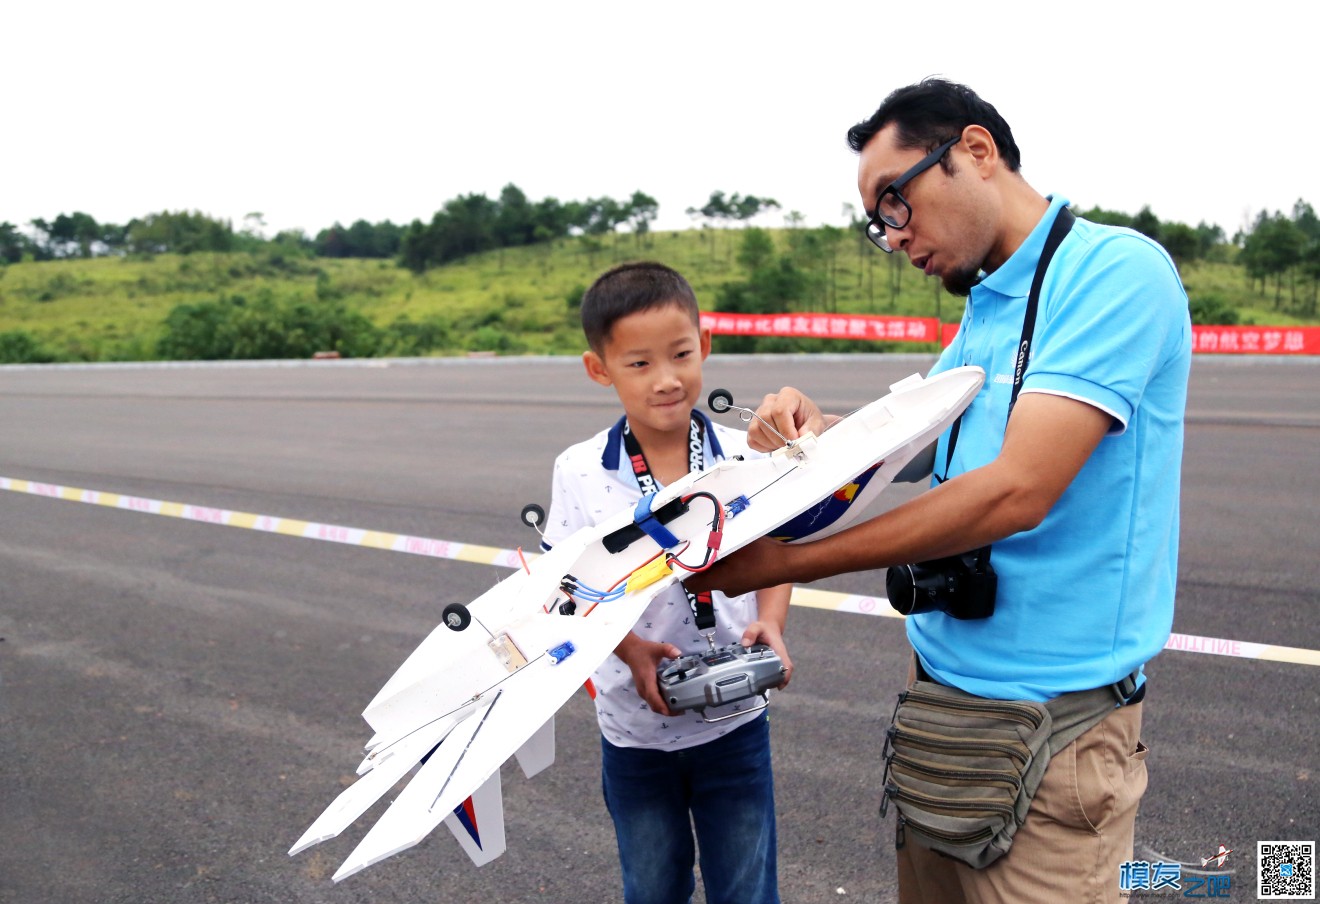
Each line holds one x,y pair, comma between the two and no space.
512,558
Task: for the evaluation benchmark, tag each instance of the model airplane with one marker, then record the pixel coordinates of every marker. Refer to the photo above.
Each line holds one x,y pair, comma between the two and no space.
1218,858
486,683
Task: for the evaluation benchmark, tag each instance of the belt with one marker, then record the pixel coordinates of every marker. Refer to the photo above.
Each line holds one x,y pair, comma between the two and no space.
1126,691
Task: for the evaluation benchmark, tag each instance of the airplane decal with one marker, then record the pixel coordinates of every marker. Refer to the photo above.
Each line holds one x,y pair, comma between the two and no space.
828,510
467,817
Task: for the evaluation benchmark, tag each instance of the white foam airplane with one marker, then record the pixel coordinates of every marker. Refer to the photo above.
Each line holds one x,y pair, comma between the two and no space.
486,683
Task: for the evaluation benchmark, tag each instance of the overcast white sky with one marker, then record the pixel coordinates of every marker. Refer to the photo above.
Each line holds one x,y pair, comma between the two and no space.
315,112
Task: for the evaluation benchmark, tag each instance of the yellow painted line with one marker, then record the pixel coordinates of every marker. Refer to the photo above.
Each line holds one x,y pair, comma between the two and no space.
843,602
509,558
377,540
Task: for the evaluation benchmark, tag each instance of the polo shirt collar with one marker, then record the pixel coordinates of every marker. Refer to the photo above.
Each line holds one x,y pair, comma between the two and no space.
1013,278
614,458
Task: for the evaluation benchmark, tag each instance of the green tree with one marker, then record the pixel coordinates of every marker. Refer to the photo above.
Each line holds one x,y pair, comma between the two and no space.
362,239
774,284
743,208
182,232
1107,217
515,219
1147,223
1209,239
756,250
74,234
642,210
19,347
13,244
1181,241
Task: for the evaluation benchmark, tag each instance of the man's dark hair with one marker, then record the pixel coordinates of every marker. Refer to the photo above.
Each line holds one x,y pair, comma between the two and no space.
627,289
931,112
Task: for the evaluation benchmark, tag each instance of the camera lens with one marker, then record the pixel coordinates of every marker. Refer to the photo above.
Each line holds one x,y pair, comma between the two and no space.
901,588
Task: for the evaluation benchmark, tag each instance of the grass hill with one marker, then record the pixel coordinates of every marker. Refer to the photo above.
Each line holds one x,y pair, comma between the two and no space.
514,301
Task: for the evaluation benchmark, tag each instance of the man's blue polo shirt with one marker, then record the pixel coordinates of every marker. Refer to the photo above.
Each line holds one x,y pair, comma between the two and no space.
1086,596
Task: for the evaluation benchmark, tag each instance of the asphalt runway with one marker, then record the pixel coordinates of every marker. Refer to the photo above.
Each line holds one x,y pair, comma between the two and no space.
179,700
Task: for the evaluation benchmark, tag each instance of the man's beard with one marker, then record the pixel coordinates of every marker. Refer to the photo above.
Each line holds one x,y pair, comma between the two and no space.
959,282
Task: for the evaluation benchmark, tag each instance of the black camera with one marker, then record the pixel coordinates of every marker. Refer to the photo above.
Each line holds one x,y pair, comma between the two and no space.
961,586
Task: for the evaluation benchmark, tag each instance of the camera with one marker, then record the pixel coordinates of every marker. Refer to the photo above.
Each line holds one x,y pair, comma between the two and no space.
961,586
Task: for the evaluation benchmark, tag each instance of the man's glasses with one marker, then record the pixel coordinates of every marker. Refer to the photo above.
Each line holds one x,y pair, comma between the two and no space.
891,208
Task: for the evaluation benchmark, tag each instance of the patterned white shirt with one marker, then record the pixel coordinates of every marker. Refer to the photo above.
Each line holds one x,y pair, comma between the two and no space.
593,481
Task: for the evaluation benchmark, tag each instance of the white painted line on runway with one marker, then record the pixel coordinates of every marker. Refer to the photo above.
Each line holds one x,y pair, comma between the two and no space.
509,558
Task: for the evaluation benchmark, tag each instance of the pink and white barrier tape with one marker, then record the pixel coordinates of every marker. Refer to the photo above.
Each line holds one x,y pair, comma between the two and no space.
509,558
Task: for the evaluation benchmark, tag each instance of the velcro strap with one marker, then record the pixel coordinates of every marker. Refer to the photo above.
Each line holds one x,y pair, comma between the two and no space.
644,518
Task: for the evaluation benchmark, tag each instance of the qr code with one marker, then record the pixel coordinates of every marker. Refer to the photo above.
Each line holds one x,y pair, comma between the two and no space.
1285,870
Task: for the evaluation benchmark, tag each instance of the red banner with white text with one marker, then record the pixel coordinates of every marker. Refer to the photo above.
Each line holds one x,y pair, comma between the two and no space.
1231,340
824,326
1256,340
1222,340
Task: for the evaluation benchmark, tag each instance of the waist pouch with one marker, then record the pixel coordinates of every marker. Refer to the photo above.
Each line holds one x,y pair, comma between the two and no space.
962,770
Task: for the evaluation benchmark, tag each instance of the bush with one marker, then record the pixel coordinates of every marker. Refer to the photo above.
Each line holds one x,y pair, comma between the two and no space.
491,339
405,338
233,329
1211,308
19,347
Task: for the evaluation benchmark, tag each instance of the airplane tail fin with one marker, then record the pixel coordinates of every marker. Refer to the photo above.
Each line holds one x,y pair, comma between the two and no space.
478,822
539,750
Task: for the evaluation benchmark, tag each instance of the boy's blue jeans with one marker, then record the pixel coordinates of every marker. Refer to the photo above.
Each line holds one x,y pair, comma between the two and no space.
727,786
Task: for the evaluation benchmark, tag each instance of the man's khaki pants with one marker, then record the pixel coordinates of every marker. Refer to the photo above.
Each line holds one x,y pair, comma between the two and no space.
1078,831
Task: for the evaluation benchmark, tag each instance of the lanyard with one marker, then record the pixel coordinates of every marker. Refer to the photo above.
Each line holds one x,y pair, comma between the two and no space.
701,604
1063,223
642,470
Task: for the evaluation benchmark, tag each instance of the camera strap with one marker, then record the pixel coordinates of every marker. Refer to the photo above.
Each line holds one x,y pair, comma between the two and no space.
1063,223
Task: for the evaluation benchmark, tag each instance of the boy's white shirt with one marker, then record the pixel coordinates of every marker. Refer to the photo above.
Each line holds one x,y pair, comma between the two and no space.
583,494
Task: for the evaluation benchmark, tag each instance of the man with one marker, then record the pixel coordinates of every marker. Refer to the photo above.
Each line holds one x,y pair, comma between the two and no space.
1075,492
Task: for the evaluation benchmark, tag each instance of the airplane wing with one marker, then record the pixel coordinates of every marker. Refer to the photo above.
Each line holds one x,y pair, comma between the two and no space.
387,768
486,683
504,721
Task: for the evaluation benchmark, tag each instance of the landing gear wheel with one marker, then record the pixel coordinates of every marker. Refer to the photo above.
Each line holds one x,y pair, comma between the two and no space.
533,515
720,401
457,617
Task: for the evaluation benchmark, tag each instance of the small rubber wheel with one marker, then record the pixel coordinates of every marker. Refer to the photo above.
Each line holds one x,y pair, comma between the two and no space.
720,400
457,617
533,515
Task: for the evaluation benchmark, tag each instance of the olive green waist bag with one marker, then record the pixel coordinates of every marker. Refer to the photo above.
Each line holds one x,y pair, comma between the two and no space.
962,770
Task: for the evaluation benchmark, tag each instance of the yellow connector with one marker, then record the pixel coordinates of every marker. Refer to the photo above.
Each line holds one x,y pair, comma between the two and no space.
648,574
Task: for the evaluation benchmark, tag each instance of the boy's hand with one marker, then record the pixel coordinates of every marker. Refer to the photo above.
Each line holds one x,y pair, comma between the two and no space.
788,411
643,657
768,633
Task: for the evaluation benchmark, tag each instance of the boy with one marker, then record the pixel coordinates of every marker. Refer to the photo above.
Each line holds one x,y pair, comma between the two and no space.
645,340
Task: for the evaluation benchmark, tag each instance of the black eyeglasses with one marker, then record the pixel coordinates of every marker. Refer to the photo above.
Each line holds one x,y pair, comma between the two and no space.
891,208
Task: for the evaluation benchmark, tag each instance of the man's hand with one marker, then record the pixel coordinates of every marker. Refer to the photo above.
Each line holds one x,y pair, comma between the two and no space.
768,633
788,411
761,563
643,657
